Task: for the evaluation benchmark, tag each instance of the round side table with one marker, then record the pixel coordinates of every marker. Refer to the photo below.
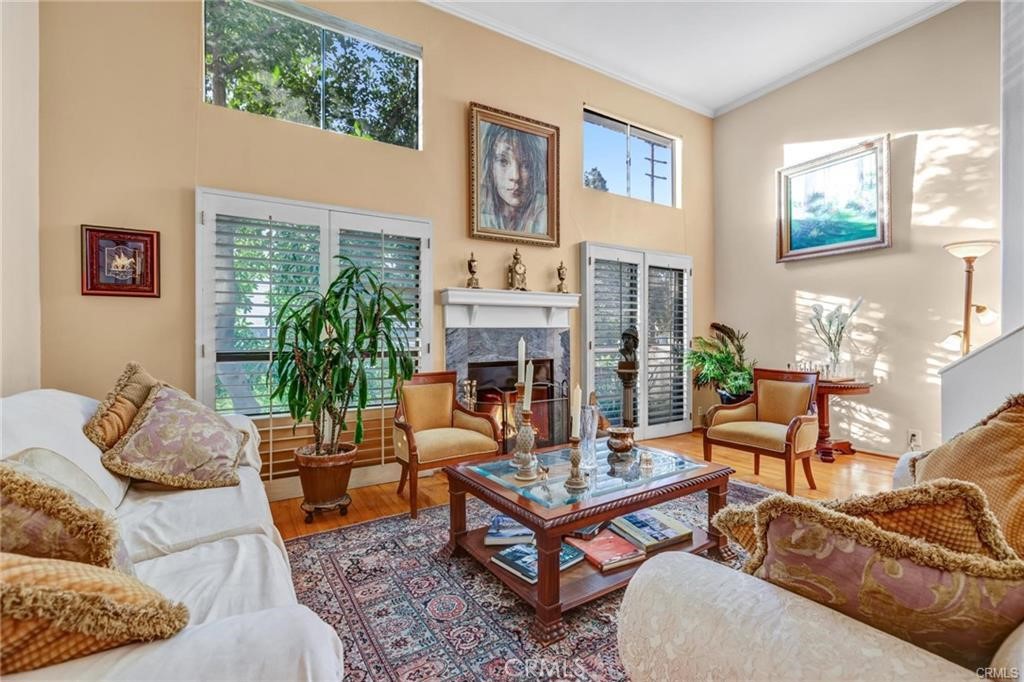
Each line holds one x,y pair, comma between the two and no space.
827,448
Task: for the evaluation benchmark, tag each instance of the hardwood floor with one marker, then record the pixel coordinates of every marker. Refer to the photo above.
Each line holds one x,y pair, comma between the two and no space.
848,475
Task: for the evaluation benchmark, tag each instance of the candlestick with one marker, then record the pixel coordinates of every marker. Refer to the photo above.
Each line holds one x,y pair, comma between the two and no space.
528,395
521,376
574,410
576,481
524,459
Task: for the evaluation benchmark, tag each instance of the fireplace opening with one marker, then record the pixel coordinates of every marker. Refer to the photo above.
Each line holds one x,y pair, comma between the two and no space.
495,394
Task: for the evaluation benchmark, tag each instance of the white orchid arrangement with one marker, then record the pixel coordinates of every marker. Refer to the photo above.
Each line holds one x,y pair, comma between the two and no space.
832,327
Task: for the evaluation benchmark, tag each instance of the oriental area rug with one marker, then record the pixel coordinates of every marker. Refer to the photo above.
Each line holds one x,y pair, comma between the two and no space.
405,613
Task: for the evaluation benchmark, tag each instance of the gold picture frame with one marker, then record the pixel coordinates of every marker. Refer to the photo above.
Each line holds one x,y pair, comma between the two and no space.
838,203
513,177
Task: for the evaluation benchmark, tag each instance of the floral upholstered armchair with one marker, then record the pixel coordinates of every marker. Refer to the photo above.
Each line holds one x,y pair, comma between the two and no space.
433,430
777,420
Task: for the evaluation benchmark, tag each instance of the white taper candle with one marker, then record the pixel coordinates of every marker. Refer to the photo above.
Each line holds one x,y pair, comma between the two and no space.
522,361
529,385
574,410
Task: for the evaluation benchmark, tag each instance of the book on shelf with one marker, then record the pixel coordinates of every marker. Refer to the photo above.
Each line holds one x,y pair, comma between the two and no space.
651,529
588,532
608,550
521,560
504,530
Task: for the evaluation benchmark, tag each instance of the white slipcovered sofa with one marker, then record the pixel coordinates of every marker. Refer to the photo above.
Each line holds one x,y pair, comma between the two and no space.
684,617
216,550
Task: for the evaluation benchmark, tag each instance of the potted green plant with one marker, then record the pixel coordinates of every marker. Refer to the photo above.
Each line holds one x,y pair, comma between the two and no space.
326,346
720,362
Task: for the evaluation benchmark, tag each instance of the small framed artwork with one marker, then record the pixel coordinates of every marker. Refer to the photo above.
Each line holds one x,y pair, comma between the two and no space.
120,262
513,177
835,204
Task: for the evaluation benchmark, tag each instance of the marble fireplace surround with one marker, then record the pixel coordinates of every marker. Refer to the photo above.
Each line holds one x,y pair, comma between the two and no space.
484,325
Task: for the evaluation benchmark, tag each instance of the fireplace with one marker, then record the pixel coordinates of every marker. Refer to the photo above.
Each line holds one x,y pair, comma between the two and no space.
496,392
482,332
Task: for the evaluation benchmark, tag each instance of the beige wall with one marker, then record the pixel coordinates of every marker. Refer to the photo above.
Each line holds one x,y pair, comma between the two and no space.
19,240
935,88
125,141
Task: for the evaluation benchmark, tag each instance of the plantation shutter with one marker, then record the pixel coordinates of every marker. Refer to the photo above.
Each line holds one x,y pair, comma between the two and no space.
615,306
668,338
258,265
397,259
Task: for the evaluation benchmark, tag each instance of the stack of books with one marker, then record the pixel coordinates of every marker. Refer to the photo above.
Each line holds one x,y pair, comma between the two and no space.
650,529
521,560
505,530
608,551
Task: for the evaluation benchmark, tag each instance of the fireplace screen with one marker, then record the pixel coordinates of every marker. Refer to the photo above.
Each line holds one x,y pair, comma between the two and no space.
495,394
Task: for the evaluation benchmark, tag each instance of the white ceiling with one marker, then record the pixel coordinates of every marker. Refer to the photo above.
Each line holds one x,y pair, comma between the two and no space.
708,56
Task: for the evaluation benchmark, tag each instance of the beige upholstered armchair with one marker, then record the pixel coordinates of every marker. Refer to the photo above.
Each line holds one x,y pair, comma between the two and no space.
777,420
433,430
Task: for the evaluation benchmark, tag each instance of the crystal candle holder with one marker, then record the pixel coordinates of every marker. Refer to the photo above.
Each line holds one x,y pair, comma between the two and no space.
588,437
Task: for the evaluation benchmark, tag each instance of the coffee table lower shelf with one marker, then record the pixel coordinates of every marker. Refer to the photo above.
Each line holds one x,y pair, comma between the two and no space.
577,584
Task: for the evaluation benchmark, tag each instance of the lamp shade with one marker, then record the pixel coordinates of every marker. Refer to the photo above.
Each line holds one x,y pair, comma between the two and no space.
986,315
971,249
953,341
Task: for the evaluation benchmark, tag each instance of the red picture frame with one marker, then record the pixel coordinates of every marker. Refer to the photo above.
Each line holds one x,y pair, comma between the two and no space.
120,262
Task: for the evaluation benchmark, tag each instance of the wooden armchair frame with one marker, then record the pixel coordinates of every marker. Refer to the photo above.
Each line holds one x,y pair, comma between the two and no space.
790,455
410,469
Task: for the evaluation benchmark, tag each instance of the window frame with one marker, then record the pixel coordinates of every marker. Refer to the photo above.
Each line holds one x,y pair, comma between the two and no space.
675,147
329,22
329,217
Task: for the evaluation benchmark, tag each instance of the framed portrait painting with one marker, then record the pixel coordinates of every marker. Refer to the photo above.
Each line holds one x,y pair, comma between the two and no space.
120,262
835,204
513,177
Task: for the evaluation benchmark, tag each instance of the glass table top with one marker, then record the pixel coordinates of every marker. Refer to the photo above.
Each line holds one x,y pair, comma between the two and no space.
612,474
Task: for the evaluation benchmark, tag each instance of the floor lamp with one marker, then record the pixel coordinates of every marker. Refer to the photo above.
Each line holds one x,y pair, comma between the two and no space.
969,252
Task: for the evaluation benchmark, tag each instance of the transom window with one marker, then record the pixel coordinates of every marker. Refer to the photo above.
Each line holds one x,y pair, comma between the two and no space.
296,63
624,159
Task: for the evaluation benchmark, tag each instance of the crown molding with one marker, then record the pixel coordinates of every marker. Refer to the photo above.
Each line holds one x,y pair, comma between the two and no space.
463,12
928,12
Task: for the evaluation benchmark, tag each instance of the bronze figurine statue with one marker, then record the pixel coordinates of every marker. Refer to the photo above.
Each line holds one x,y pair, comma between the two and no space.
630,342
472,282
561,272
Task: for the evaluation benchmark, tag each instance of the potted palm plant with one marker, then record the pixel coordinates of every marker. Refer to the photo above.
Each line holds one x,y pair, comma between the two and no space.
327,347
720,362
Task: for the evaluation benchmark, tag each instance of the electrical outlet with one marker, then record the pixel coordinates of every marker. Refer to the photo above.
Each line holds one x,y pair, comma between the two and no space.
701,410
915,440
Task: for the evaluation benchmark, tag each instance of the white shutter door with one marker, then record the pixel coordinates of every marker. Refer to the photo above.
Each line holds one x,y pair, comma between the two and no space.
667,393
613,290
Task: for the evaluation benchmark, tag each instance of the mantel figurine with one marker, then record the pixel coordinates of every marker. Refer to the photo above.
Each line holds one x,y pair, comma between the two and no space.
472,282
517,273
561,272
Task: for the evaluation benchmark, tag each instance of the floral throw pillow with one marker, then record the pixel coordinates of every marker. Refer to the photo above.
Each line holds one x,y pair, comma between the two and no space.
39,517
178,442
956,605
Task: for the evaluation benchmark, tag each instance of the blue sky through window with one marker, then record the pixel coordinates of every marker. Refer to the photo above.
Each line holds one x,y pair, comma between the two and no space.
622,156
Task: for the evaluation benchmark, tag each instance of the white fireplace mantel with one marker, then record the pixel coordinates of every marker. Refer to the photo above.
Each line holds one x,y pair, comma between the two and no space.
501,308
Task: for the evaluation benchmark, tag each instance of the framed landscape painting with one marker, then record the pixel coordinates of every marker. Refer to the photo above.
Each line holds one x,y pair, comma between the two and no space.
120,262
513,177
835,204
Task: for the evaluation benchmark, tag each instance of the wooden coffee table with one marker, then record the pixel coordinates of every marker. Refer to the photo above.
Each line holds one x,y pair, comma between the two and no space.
546,508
